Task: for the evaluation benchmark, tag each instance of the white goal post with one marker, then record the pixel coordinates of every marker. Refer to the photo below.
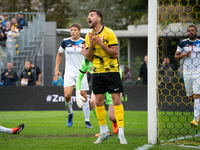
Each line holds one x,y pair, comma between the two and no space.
152,73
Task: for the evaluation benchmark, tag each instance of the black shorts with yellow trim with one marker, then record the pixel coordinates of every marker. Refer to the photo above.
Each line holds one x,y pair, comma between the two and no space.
106,82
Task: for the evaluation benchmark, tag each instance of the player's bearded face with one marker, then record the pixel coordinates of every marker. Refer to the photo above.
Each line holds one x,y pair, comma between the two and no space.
92,20
92,23
192,33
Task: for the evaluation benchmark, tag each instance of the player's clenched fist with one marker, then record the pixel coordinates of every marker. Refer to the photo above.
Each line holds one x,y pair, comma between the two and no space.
57,74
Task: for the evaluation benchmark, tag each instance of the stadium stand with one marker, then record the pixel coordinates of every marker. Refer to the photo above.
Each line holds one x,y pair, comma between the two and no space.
27,45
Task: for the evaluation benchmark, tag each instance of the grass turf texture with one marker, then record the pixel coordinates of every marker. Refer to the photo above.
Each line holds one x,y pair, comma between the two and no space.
48,130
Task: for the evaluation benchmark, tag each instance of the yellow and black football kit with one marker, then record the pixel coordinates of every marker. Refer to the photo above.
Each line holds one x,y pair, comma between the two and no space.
102,61
106,77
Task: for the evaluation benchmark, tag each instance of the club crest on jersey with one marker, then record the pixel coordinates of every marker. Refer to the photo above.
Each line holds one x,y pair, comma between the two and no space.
197,45
105,41
192,45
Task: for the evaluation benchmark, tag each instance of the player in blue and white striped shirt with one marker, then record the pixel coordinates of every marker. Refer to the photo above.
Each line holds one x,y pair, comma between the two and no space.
72,49
189,51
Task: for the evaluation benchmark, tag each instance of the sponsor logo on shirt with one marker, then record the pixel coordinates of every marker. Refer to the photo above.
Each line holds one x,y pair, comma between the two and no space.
74,50
75,46
192,45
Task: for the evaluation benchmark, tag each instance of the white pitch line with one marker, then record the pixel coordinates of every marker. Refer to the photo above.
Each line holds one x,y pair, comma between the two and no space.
144,147
195,147
185,137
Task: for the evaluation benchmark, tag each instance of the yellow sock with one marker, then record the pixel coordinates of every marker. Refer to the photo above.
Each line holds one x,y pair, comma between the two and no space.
119,115
101,115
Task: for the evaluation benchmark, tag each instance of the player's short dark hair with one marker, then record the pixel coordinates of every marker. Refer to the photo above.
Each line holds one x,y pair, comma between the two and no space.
83,42
99,13
193,26
75,24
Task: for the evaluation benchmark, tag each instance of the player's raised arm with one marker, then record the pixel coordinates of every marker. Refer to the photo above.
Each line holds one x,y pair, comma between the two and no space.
90,53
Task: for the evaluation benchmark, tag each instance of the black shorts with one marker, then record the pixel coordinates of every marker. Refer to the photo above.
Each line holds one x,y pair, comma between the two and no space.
106,82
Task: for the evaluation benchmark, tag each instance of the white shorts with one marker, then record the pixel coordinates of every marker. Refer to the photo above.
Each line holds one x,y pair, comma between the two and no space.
70,81
192,84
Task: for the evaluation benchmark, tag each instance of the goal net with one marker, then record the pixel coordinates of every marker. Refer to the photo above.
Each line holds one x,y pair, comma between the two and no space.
175,111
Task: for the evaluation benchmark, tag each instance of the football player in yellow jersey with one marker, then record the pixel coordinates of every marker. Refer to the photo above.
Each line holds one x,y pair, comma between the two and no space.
102,50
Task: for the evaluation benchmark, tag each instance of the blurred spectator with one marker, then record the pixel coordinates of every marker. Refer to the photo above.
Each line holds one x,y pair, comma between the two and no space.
9,76
21,21
12,33
2,38
1,20
10,41
167,72
27,74
5,20
5,32
8,28
127,75
8,25
38,74
58,81
15,24
143,71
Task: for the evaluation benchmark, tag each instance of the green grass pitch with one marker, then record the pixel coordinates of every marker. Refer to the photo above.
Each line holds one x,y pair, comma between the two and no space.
48,130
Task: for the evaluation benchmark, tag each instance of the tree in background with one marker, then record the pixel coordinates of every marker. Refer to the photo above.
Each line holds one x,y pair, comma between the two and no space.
118,14
55,10
9,6
79,11
131,12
